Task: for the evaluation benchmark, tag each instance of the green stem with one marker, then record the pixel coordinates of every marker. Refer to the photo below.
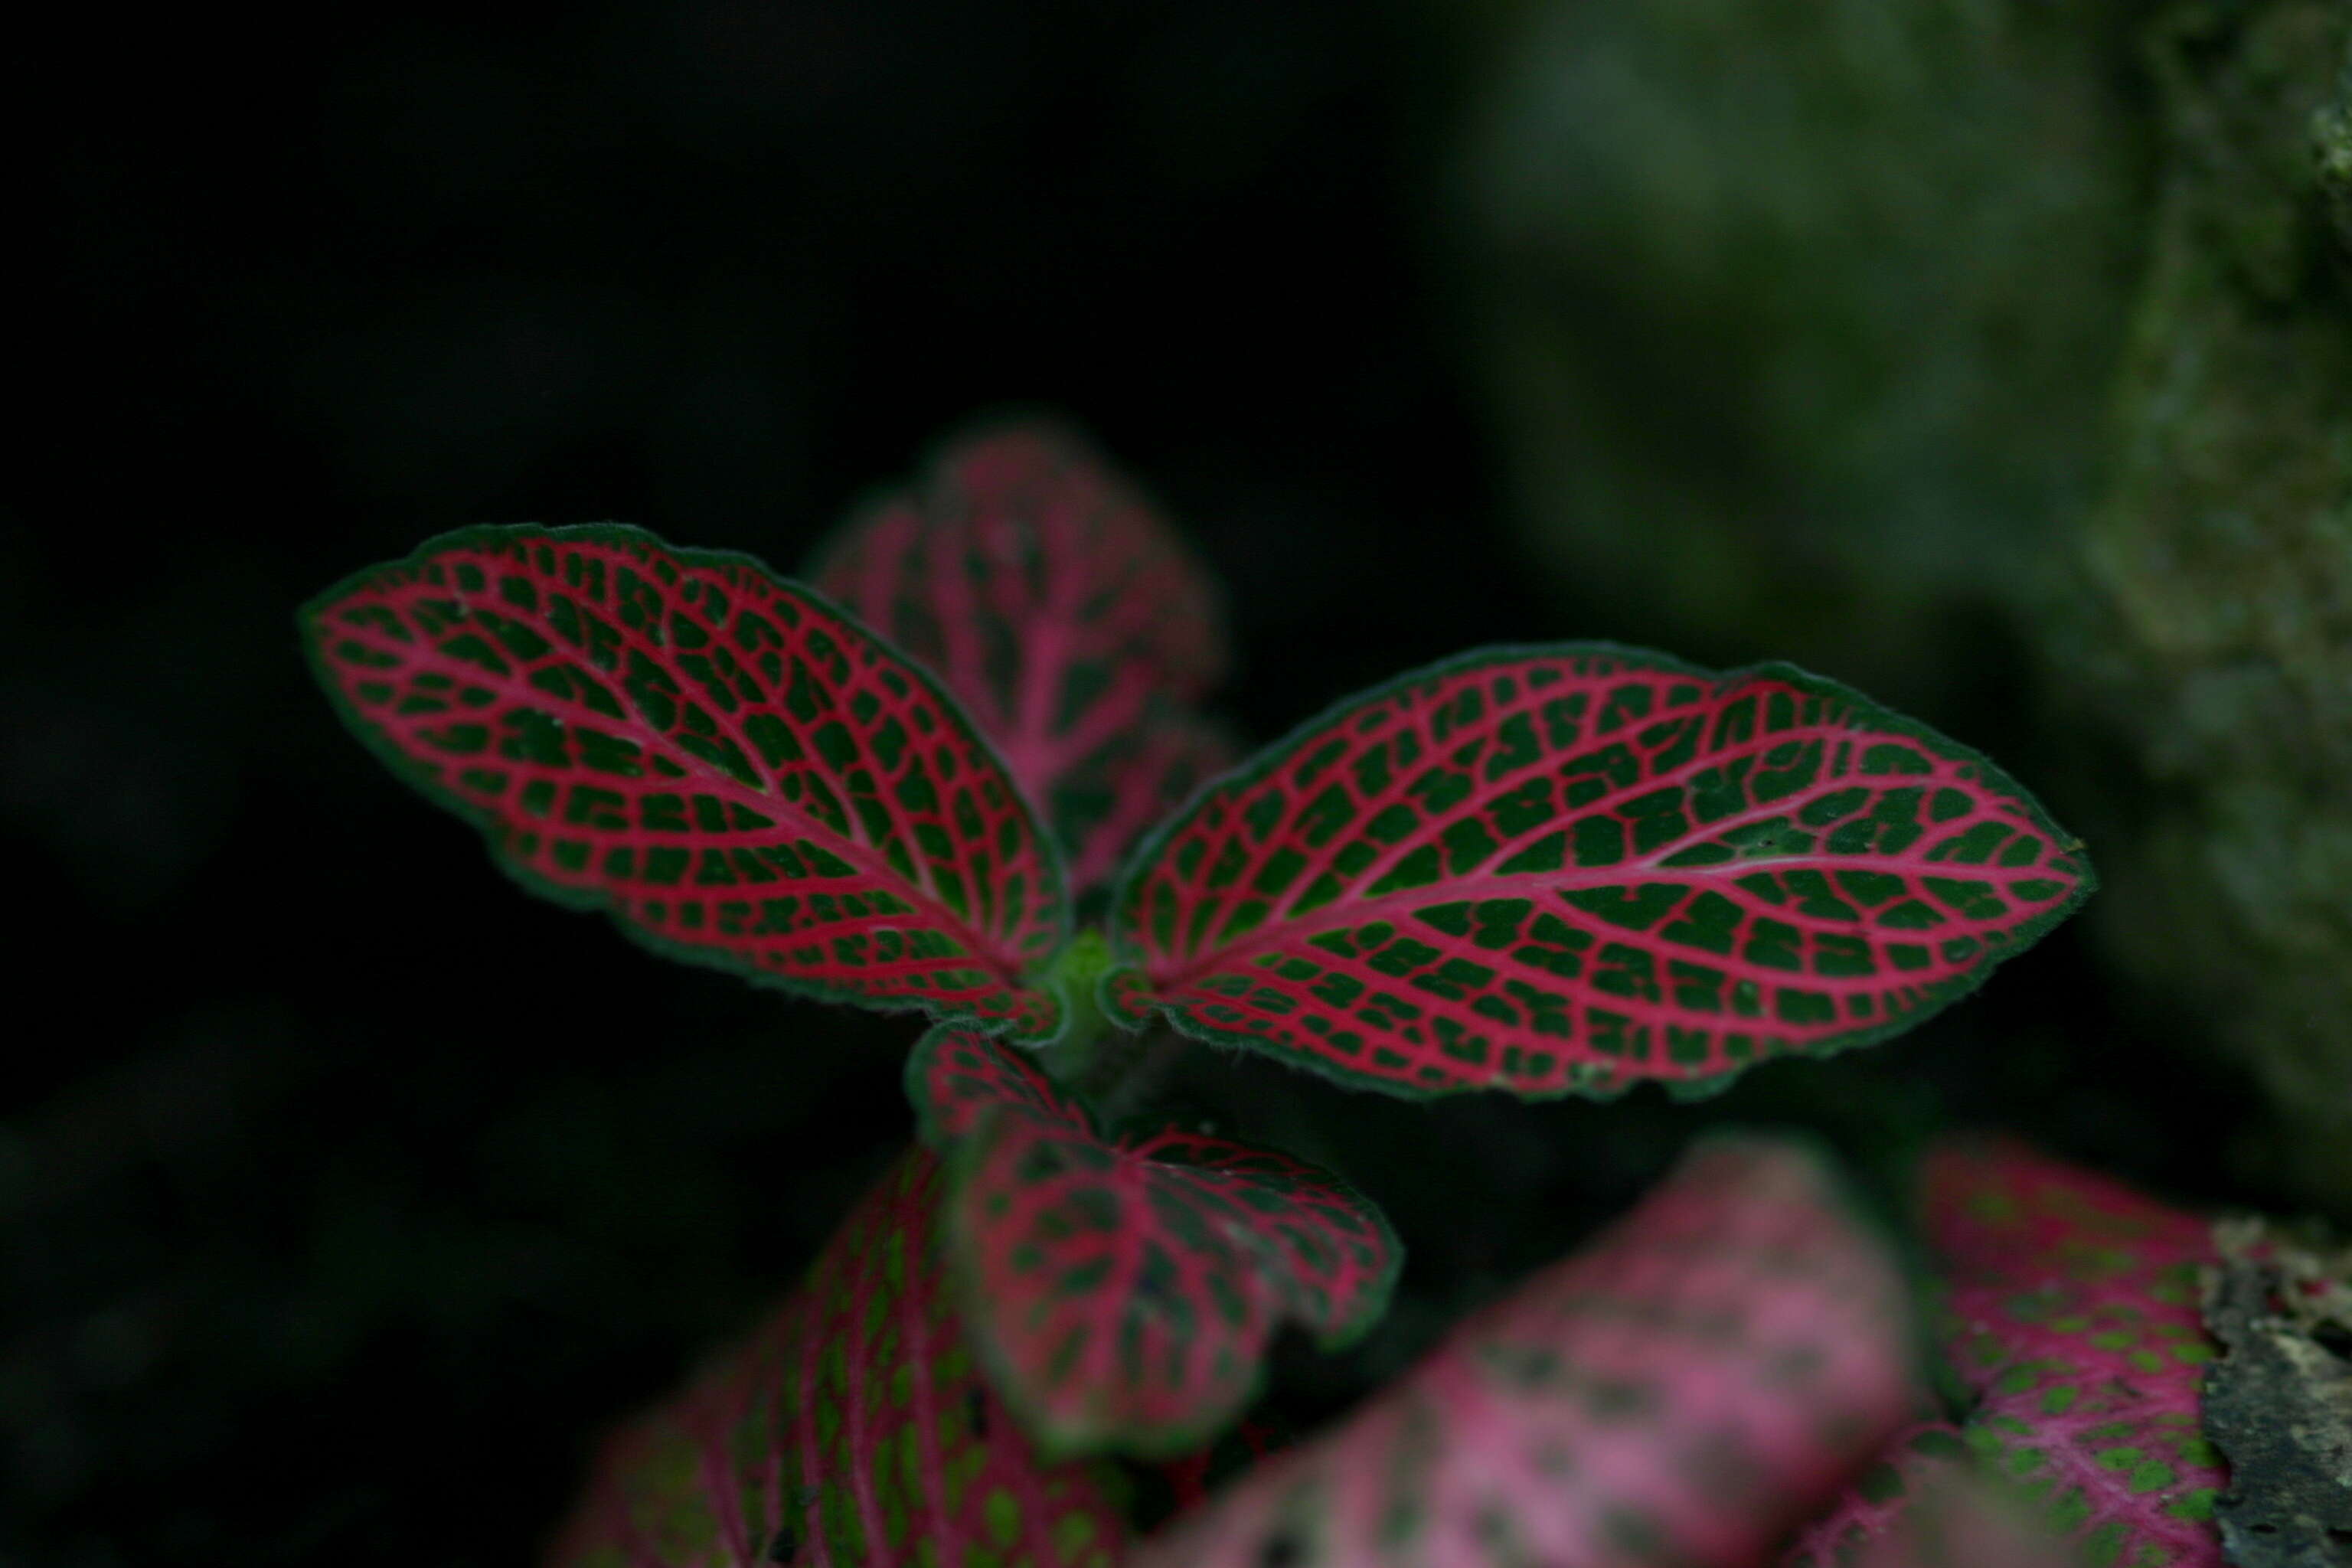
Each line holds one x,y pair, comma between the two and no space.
1112,1066
1077,970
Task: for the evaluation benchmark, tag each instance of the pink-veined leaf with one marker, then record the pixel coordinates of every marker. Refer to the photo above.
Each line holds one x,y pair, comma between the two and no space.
739,774
1131,785
853,1428
2076,1322
1925,1504
1961,1518
1065,614
1683,1391
1573,867
1122,1288
1867,1511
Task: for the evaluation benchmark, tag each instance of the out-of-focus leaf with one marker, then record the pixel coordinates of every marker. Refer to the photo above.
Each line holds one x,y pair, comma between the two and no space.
1867,1511
1684,1392
1925,1504
855,1428
2073,1303
1069,620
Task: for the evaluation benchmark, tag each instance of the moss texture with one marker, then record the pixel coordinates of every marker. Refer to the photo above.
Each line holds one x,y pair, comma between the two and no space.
1797,319
1998,358
2215,623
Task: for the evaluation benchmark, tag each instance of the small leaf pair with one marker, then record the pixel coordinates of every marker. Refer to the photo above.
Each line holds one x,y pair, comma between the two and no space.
1123,1288
1681,1391
1543,869
747,776
2074,1322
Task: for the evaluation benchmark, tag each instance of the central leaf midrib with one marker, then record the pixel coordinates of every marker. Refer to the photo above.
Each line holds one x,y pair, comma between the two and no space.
516,691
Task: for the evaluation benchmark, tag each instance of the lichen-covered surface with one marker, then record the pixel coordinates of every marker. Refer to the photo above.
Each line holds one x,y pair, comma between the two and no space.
2216,630
2279,1403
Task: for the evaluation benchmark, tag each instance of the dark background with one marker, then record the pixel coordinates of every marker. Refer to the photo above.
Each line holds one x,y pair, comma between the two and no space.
346,1191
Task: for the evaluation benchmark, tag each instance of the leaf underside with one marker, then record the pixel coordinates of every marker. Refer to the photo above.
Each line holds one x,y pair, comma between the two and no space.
1568,868
1069,620
739,774
1683,1391
853,1428
1123,1288
2076,1322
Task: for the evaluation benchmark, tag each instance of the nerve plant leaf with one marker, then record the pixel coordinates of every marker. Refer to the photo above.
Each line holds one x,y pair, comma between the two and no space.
1683,1391
1867,1512
2076,1310
854,1429
1066,616
1927,1505
1564,869
1122,1288
740,775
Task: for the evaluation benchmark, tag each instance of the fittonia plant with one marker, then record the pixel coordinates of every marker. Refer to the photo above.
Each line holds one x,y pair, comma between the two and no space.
2072,1320
1542,869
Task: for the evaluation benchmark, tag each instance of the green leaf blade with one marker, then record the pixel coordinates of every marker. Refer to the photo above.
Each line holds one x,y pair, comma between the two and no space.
1067,617
738,773
1123,1289
1573,867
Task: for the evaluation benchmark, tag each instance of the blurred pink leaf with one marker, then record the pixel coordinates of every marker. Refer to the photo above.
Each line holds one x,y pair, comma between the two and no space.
854,1427
2074,1319
1682,1391
1071,621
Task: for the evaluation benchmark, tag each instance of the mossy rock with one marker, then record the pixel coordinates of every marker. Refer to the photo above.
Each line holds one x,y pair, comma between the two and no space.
1997,357
2214,628
1799,321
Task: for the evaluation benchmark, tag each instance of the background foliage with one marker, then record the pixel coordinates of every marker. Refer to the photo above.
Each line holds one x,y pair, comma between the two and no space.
347,1193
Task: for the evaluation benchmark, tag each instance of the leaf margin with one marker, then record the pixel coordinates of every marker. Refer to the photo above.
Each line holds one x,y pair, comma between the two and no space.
959,1153
309,616
1123,990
